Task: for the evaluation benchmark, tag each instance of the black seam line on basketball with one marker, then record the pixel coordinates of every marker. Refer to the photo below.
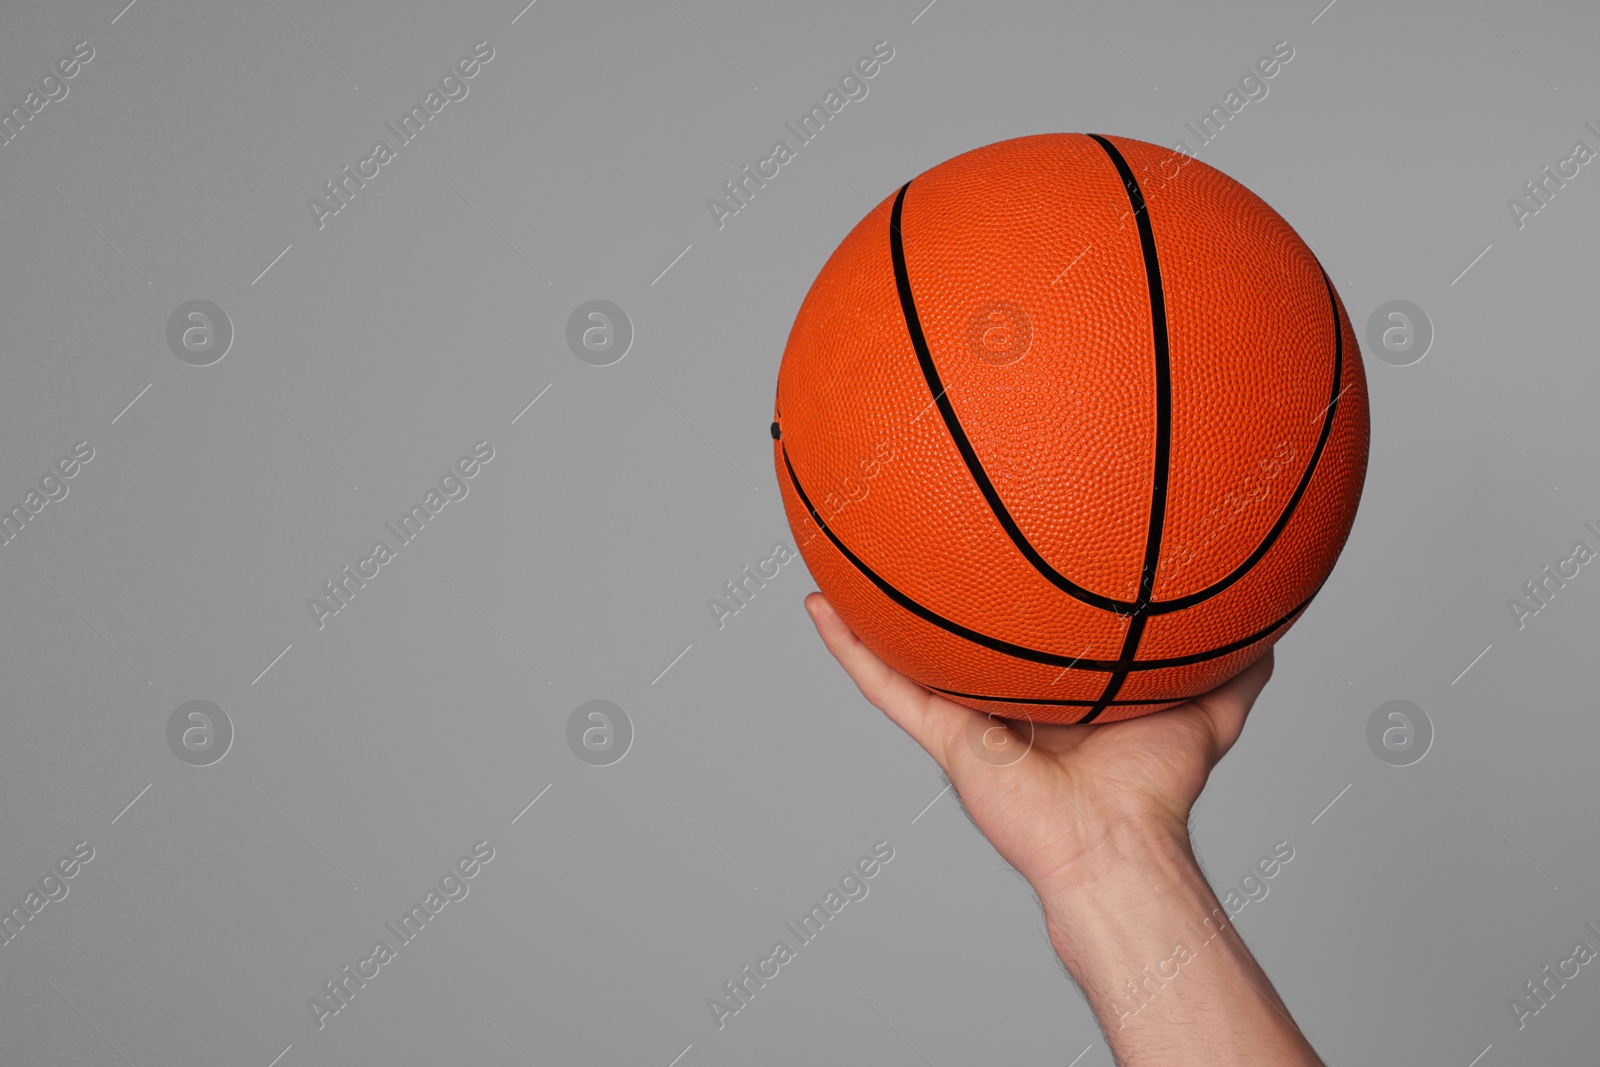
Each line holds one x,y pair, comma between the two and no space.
1113,687
941,397
1161,464
1130,647
1022,652
1058,703
1162,607
1163,372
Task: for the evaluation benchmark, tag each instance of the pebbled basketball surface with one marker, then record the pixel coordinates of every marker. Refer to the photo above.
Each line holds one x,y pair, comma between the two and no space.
1071,428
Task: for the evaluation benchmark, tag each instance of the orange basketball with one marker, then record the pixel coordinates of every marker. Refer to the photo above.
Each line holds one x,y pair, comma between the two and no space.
1071,428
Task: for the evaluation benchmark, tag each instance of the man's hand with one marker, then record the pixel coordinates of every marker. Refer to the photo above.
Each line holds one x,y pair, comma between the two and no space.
1096,819
1049,812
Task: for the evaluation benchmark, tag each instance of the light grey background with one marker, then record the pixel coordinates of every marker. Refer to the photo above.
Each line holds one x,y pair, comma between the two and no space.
427,314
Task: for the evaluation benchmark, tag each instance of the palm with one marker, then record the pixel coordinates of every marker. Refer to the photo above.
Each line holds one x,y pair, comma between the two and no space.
1047,800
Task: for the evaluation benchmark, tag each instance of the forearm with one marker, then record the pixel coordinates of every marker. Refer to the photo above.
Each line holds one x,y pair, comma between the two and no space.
1156,954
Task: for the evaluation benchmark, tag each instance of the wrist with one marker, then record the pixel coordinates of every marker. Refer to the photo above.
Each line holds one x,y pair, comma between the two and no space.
1115,844
1139,928
1138,864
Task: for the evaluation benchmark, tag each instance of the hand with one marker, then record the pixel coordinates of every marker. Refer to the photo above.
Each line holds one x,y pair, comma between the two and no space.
1053,812
1096,818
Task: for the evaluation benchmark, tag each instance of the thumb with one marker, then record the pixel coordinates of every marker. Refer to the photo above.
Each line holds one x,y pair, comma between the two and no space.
1225,707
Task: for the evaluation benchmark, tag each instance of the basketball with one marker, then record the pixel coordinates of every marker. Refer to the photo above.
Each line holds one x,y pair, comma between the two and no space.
1071,428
